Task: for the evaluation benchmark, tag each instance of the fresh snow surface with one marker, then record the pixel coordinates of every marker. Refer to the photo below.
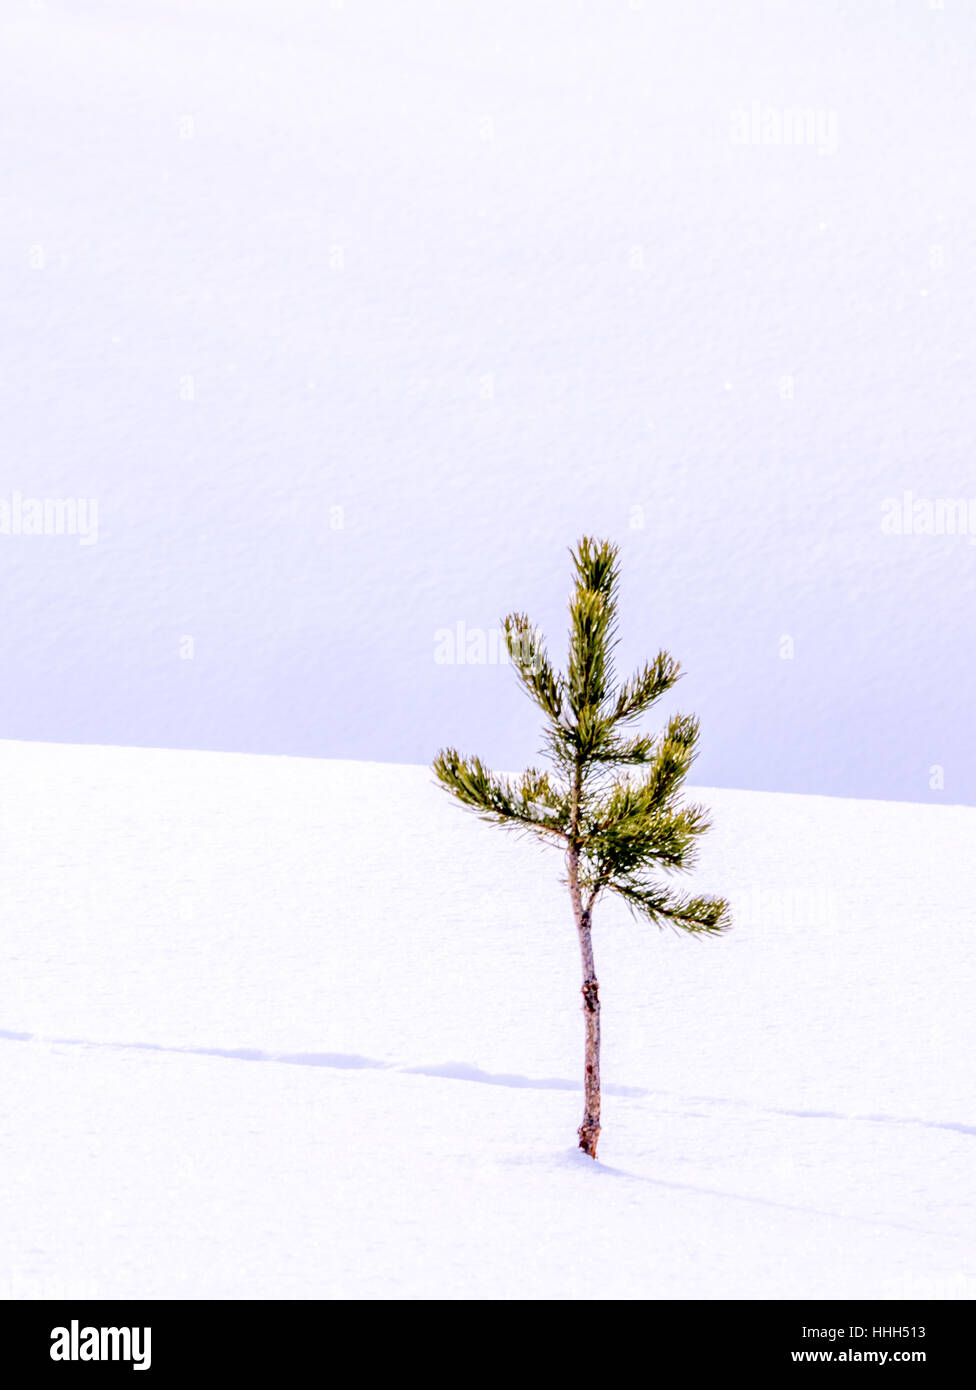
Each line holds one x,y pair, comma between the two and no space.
282,1028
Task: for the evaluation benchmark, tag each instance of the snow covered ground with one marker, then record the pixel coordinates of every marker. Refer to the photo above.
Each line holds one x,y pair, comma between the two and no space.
285,1028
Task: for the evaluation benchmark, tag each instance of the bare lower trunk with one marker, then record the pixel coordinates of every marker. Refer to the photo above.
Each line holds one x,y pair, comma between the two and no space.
589,1130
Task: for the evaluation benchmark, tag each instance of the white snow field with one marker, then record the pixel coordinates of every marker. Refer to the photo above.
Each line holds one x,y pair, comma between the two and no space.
282,1028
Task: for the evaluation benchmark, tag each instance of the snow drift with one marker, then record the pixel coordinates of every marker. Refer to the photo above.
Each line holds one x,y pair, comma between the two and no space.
279,1028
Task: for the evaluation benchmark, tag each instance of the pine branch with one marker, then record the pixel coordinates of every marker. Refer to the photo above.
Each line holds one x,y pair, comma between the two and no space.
698,916
540,799
590,618
674,757
595,563
637,695
629,751
666,839
532,664
629,803
531,801
592,627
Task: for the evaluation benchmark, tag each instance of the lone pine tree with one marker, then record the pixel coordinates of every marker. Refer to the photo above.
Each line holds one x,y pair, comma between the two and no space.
620,830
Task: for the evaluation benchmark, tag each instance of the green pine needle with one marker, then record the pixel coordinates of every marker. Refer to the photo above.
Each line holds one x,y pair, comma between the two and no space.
612,796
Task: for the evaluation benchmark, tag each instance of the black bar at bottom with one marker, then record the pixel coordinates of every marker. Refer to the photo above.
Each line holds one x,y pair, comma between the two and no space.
238,1340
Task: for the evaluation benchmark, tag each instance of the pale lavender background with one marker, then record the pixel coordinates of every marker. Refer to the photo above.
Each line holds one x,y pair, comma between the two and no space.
490,371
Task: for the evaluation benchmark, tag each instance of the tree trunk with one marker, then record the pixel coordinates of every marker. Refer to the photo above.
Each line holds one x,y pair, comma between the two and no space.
589,1130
